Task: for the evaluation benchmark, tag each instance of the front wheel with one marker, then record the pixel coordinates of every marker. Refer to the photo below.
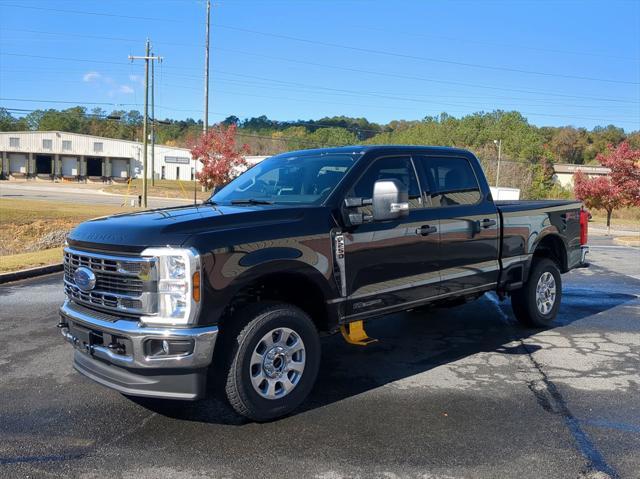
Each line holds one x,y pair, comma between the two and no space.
537,302
274,361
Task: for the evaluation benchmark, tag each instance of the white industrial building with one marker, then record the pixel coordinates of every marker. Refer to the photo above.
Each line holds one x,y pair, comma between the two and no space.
51,155
563,173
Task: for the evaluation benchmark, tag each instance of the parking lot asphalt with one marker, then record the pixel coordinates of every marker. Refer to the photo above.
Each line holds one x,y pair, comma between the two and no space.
448,393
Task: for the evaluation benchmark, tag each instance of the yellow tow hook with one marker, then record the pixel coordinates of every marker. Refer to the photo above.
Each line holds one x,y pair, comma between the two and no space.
354,333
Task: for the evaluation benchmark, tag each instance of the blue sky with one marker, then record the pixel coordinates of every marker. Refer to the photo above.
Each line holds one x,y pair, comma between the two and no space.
559,62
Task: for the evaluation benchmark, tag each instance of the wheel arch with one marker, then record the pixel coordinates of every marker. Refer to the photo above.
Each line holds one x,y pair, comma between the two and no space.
552,246
291,282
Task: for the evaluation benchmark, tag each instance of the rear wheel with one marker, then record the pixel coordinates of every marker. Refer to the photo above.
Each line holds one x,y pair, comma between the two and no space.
273,360
537,302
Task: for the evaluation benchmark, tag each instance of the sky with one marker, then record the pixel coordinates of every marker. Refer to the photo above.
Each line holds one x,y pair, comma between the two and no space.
558,62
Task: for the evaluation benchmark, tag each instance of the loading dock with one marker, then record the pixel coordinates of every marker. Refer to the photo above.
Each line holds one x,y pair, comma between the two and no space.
18,164
119,168
94,167
44,165
70,166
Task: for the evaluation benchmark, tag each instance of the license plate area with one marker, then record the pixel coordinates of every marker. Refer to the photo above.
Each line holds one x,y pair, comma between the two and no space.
85,338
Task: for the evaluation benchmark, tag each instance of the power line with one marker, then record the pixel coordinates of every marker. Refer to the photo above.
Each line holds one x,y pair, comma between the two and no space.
98,37
342,46
424,79
81,60
287,85
79,103
406,33
426,59
97,14
357,70
471,40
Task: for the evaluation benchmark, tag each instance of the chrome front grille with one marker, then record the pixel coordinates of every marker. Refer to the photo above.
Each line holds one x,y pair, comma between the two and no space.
123,283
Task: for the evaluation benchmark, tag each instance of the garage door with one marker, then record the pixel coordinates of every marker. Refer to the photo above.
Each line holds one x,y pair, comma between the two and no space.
18,163
120,168
69,166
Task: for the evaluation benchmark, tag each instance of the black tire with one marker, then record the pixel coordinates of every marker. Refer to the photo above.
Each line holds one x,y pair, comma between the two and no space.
249,328
523,300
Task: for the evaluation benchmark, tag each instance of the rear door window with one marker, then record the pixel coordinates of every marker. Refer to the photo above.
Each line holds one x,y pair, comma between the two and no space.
452,181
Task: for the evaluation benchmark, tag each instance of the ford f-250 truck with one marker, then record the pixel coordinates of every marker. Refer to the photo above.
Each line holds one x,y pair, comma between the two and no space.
240,287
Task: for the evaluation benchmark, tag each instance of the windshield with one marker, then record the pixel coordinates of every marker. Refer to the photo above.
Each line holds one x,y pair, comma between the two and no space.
302,179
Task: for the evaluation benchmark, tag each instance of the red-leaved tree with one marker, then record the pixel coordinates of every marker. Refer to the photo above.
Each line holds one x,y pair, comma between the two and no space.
599,193
625,171
620,188
221,157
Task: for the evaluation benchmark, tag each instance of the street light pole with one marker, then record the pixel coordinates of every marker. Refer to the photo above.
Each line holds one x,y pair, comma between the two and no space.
499,143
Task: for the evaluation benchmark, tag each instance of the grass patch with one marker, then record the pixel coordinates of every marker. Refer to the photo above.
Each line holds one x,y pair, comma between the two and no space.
162,189
17,262
24,223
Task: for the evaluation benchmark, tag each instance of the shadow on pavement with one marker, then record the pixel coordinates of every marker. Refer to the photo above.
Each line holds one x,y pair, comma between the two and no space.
409,344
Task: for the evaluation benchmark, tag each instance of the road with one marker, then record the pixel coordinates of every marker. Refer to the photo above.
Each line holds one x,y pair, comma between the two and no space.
74,194
458,393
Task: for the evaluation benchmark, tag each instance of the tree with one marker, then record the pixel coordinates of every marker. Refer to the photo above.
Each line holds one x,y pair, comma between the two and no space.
625,171
599,193
221,157
568,145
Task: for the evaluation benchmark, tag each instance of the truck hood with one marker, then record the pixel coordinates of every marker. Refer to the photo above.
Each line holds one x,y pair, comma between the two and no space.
133,232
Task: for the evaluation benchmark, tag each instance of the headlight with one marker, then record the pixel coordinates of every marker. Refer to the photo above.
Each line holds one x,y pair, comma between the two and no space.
178,293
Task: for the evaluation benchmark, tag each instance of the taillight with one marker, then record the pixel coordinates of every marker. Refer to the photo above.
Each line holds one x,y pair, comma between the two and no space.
584,227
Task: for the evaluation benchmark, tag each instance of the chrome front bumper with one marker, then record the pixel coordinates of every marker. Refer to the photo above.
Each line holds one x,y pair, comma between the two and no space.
131,369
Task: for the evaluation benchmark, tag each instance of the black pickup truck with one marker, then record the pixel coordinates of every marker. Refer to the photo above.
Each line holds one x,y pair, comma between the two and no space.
239,289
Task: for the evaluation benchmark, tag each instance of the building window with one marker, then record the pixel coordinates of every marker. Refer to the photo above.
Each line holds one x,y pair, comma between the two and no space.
193,174
66,144
97,147
14,142
177,172
162,175
47,144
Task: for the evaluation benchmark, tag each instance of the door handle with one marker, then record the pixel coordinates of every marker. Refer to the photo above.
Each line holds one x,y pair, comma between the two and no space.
486,223
426,230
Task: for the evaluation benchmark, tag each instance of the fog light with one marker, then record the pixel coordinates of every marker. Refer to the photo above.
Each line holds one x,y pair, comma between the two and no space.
168,347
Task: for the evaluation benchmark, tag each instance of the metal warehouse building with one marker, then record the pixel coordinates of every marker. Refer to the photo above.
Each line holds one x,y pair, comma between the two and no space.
50,155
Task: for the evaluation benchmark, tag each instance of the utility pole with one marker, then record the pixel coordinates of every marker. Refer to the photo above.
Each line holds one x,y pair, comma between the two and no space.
205,123
153,125
145,169
205,120
499,143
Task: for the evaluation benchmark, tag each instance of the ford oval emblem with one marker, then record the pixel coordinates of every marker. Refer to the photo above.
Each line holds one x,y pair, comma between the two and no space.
85,279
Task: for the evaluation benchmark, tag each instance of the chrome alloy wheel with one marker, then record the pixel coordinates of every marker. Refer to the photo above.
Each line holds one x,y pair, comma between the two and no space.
546,293
277,363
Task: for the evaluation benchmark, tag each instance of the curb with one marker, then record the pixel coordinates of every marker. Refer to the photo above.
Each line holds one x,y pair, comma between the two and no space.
29,273
613,232
628,241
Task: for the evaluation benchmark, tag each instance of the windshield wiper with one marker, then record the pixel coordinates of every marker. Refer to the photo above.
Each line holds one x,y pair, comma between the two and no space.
251,201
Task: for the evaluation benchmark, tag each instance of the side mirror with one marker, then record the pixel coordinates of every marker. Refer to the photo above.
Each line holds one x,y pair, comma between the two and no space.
390,200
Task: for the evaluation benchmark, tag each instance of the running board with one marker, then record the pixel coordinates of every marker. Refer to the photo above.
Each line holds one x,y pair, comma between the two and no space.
354,333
